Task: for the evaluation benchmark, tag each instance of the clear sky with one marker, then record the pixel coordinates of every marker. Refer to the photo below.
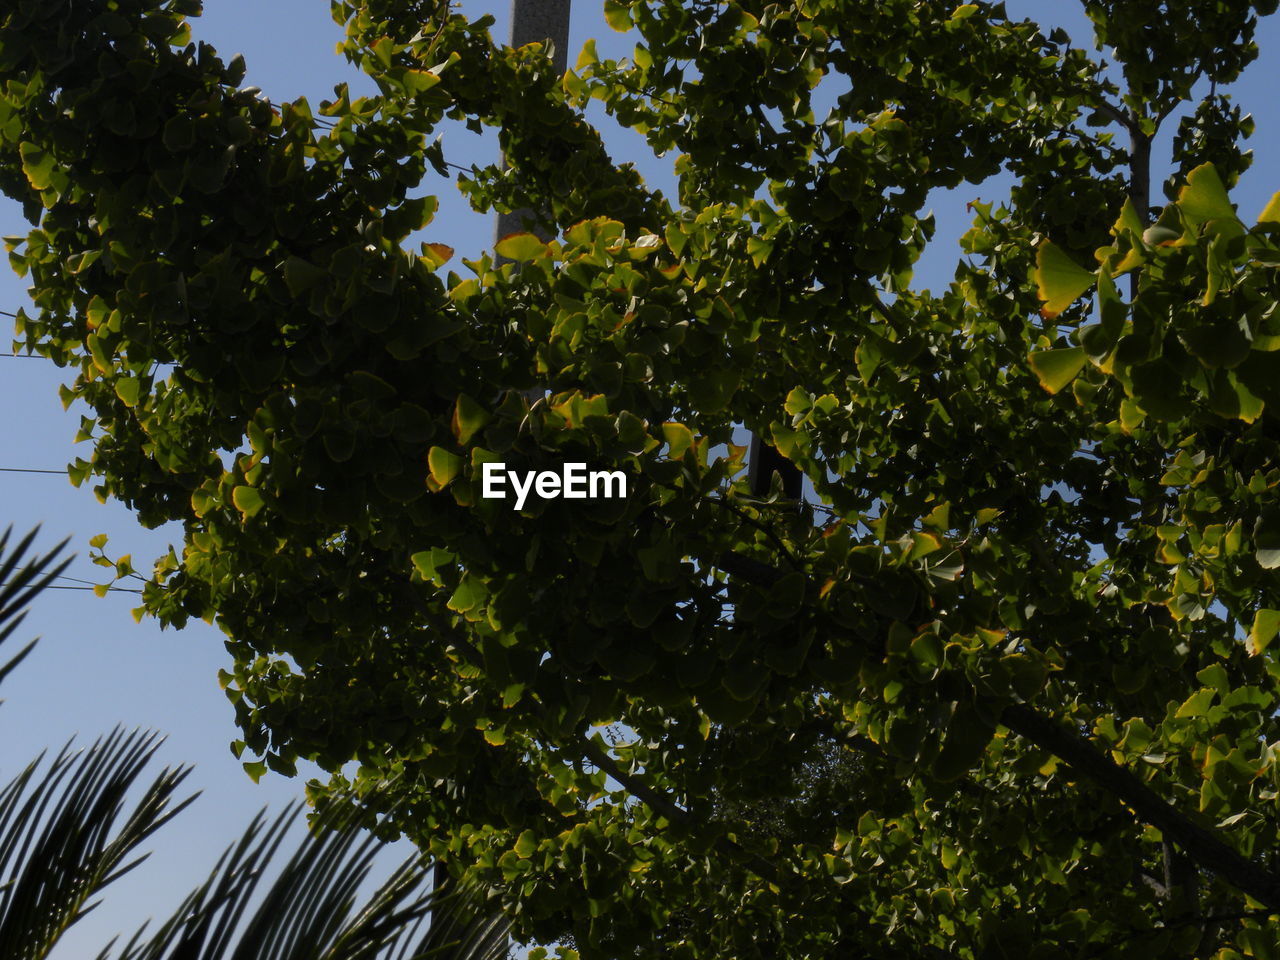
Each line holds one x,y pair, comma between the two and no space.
94,667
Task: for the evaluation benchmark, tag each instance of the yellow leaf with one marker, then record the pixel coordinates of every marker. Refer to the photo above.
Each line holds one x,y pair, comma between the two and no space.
679,438
436,254
1271,212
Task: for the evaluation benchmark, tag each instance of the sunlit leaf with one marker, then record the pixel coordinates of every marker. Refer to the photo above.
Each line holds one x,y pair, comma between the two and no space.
1059,279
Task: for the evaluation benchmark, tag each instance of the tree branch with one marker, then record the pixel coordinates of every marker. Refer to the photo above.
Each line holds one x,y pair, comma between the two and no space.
1198,843
1115,115
753,571
663,805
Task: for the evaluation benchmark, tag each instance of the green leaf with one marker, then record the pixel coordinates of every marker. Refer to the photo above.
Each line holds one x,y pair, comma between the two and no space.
1059,279
443,466
1128,222
1266,623
923,544
37,164
247,500
926,650
418,81
128,390
966,741
1197,704
427,563
436,254
617,15
1057,368
301,275
798,402
520,247
470,594
468,417
679,438
1271,212
786,596
1204,197
526,844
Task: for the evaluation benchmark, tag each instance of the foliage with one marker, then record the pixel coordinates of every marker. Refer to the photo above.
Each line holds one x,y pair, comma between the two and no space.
68,829
1035,594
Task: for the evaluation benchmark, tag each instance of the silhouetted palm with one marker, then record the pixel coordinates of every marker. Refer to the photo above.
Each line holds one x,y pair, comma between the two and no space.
68,829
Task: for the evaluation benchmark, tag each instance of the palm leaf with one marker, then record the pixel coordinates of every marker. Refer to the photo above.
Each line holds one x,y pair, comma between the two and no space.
20,583
310,911
64,832
64,836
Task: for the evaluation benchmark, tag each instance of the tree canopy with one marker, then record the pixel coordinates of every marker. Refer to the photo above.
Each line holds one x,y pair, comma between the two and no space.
1001,685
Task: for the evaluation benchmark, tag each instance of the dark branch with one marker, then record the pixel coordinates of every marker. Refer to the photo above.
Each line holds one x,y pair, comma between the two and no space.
753,571
1198,843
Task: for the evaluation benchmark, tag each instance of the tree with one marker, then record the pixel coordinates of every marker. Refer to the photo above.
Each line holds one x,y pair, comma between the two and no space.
67,832
1030,605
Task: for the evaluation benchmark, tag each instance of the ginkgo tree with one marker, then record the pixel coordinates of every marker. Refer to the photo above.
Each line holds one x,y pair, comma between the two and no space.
1003,684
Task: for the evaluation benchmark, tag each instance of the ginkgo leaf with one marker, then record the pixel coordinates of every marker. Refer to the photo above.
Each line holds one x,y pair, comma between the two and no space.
520,246
617,15
1266,623
436,254
444,466
1204,197
37,164
1271,212
679,438
1059,279
468,417
1057,368
247,500
128,389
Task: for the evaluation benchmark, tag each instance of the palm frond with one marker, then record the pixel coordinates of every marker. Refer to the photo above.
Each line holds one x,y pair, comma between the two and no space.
310,911
64,830
20,583
65,835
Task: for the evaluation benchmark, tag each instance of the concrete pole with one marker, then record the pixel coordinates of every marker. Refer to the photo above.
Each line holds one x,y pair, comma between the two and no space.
536,21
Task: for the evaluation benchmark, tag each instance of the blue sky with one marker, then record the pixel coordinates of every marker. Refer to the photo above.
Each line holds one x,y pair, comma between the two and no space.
95,668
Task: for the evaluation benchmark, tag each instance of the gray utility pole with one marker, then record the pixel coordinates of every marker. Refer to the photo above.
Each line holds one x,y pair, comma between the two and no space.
545,22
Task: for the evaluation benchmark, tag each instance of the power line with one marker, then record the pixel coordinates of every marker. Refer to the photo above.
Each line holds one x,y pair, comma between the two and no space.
60,473
58,586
